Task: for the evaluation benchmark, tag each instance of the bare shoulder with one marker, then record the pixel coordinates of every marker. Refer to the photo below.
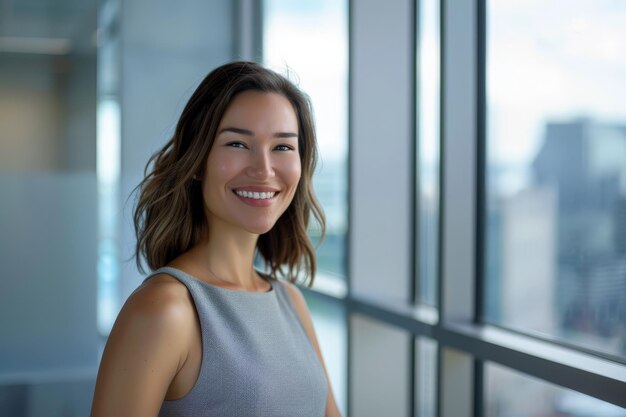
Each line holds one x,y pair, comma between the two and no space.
160,310
160,301
147,346
162,287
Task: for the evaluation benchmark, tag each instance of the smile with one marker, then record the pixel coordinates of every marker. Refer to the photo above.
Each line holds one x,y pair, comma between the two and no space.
256,195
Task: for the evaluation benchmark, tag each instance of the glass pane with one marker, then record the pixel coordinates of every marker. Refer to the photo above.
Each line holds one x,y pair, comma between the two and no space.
329,319
49,343
46,399
428,59
556,177
507,394
108,161
425,377
308,42
379,369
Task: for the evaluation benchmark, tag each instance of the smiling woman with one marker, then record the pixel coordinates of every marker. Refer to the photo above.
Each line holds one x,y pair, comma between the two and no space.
207,334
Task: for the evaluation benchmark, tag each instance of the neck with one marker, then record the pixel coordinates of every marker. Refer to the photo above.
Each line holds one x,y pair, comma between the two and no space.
226,255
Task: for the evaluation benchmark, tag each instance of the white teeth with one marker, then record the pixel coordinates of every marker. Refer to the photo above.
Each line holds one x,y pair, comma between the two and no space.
256,195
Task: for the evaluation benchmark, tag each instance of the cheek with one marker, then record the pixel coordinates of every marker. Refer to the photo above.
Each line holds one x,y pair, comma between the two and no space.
293,171
221,169
220,164
216,173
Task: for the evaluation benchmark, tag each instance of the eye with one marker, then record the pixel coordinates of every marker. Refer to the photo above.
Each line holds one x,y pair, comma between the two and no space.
236,145
284,148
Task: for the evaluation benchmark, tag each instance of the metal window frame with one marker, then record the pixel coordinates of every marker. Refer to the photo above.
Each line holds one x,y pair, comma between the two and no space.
248,19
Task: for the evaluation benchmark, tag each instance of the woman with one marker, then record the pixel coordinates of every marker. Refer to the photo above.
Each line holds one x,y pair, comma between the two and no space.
206,334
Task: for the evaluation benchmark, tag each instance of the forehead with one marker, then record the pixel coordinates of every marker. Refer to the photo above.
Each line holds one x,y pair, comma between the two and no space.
257,109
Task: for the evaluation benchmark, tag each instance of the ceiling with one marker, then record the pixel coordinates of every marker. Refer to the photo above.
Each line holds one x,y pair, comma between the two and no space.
47,26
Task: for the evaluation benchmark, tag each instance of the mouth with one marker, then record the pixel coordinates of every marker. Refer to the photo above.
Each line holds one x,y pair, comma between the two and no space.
256,195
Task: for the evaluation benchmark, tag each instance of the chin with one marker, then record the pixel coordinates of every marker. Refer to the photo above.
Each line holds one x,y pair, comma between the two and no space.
260,229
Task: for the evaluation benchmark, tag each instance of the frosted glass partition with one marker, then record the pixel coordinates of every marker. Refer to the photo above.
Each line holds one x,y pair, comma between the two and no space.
85,98
380,369
66,399
49,340
329,319
48,229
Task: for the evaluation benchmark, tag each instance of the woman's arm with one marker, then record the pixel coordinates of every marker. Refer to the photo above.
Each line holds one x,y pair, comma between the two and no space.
146,348
305,317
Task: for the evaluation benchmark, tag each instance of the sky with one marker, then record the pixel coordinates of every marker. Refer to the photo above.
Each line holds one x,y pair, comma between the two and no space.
555,60
315,56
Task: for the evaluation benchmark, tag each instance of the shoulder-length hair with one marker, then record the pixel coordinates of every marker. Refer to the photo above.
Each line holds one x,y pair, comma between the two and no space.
169,215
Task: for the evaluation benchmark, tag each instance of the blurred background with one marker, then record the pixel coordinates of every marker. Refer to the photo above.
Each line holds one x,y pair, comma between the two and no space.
473,174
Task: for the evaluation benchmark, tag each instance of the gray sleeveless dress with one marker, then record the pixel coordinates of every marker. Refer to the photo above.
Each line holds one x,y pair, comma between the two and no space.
257,359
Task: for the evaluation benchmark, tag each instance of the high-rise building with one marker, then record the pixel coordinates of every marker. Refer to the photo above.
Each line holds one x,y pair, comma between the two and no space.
582,161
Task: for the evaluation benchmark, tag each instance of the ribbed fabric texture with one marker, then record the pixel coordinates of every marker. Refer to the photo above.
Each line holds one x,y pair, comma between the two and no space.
257,359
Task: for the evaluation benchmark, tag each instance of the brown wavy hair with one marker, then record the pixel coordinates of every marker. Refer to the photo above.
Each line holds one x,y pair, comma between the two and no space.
169,213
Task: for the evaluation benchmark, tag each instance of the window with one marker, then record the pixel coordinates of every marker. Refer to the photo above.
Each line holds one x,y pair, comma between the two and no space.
428,57
508,392
556,176
308,42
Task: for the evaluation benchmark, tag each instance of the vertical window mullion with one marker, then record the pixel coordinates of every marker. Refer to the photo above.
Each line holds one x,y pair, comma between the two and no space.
458,196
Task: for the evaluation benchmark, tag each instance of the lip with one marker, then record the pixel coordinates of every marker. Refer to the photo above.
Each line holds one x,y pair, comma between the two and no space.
257,188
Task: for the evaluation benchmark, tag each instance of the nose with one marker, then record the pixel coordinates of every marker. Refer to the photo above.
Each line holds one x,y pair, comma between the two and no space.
261,165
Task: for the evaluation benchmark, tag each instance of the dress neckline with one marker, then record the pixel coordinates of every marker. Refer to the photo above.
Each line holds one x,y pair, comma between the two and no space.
265,277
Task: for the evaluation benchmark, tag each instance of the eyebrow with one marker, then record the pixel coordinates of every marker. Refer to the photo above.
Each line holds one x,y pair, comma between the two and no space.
251,133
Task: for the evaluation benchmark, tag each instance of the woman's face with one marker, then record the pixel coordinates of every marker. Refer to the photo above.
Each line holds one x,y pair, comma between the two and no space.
253,168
